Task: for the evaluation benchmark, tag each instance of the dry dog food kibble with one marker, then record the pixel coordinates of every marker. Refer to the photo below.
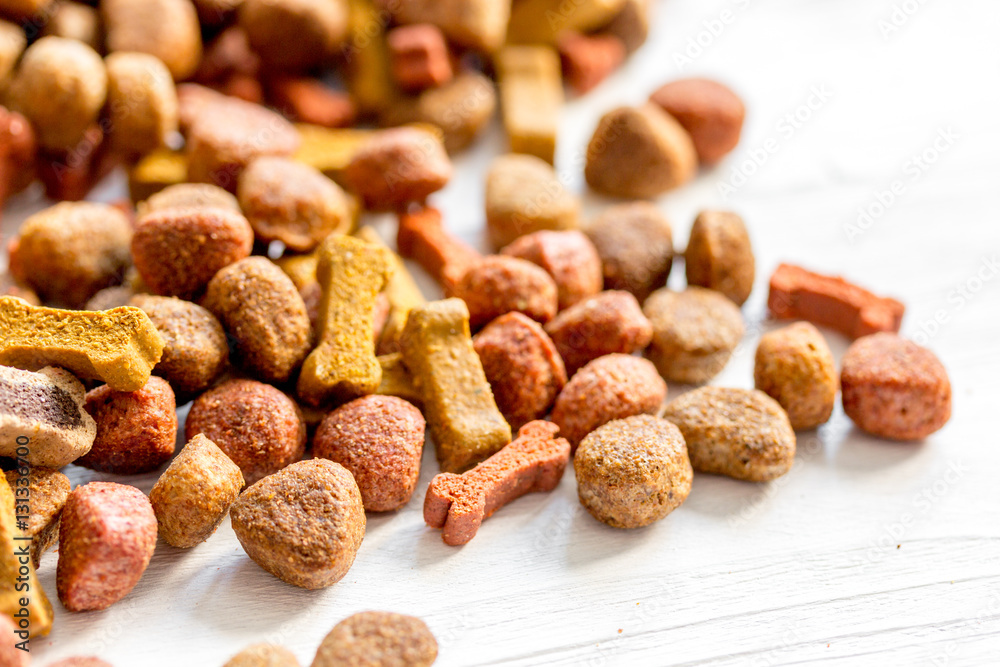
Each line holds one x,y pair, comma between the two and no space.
343,364
136,430
75,20
522,365
712,114
542,21
534,461
174,36
794,366
475,24
608,388
740,433
499,284
46,408
178,250
194,494
142,103
830,301
303,524
378,638
894,388
292,202
308,100
419,57
257,426
18,149
636,246
398,166
639,152
12,44
264,314
589,59
719,255
397,380
72,250
14,573
189,195
106,537
421,236
461,109
604,324
263,655
633,471
46,490
531,96
379,439
524,195
694,333
119,347
462,415
569,257
294,34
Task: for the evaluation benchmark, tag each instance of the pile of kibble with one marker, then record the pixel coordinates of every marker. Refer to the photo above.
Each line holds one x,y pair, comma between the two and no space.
255,135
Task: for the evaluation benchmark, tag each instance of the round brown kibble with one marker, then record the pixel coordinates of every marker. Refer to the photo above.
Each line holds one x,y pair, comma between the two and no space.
257,426
260,308
75,20
710,112
608,388
378,638
142,103
303,524
397,167
294,34
60,86
195,352
524,195
74,249
292,202
694,333
636,245
136,430
379,439
719,255
633,471
498,284
522,365
894,388
178,250
611,322
741,433
189,195
794,366
167,29
569,257
263,655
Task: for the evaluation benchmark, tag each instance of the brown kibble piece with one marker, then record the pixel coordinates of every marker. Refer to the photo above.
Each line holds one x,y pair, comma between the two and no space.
719,255
635,243
46,490
534,461
178,250
830,301
611,322
18,150
189,195
795,367
398,166
194,494
111,297
70,174
633,472
378,638
263,655
894,388
119,347
196,351
302,270
13,572
522,365
142,103
379,439
308,100
167,29
75,20
401,292
589,59
611,387
568,256
303,524
531,98
542,21
294,34
639,152
421,236
740,433
13,41
73,250
419,56
343,364
136,430
475,24
524,195
226,57
463,418
710,112
461,108
499,284
631,24
257,426
694,333
106,537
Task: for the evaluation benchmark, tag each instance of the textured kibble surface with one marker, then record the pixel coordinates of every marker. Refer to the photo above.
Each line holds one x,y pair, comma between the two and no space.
47,490
634,471
710,112
398,166
263,655
636,247
189,195
524,195
894,388
378,638
500,284
794,366
568,256
719,255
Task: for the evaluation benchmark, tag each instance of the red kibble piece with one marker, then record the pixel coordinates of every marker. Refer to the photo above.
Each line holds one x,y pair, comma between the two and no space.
589,59
419,56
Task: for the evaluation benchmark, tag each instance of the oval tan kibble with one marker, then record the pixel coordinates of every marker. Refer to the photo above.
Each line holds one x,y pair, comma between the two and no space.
524,195
142,102
719,255
795,367
378,638
740,433
167,29
303,524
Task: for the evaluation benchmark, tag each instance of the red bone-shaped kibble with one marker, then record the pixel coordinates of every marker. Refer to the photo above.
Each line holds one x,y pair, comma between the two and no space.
534,461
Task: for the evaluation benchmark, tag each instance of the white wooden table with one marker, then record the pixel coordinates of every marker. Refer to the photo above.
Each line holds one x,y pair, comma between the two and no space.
867,552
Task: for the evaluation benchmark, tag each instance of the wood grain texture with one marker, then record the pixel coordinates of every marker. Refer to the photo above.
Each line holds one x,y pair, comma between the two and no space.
866,553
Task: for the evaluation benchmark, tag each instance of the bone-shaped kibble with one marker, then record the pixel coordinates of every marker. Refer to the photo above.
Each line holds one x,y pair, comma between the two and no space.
343,366
535,461
119,346
402,292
